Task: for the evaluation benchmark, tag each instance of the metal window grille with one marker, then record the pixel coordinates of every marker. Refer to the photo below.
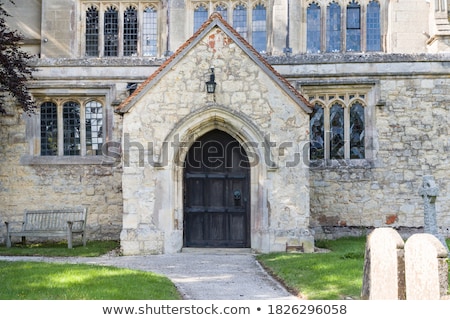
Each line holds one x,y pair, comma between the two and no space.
150,32
71,128
222,10
373,27
259,31
130,32
111,32
313,28
334,28
92,20
200,16
94,128
353,32
49,129
240,20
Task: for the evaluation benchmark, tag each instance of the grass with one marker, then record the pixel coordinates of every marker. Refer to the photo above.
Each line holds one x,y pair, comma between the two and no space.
59,249
333,275
55,281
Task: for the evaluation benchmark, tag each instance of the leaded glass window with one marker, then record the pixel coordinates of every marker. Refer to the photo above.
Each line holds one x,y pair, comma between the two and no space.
240,20
94,128
373,26
337,138
130,32
222,9
49,129
259,33
92,32
314,28
357,131
111,32
200,16
150,32
353,37
71,128
317,141
334,27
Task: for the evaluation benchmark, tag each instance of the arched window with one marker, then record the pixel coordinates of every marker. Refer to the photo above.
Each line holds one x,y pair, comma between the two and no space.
337,138
200,16
317,138
373,42
130,32
49,129
259,32
357,131
313,28
94,128
71,128
150,32
92,32
222,9
240,20
111,31
353,37
334,27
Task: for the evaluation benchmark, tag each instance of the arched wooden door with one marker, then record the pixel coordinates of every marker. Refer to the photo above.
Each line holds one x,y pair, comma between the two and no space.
217,193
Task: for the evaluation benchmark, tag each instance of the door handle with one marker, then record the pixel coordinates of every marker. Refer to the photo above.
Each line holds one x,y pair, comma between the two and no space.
237,195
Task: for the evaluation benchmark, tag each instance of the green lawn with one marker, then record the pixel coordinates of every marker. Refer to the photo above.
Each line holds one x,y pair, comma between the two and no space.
333,275
57,281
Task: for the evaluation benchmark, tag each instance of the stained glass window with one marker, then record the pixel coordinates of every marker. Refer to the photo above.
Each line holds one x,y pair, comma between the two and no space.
314,28
317,141
71,128
259,35
94,128
334,27
353,37
130,32
111,32
222,9
337,132
150,32
200,16
92,32
240,20
357,132
373,27
49,129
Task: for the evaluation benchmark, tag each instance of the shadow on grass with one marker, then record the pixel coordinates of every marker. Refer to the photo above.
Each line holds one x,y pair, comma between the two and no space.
57,281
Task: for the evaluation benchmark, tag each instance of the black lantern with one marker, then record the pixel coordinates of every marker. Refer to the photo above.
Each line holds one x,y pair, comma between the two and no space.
211,84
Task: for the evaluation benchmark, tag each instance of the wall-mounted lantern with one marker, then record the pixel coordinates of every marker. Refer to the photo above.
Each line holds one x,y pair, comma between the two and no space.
211,84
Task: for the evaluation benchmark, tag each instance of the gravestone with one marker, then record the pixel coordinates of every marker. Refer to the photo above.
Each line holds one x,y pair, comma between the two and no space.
429,191
384,276
426,268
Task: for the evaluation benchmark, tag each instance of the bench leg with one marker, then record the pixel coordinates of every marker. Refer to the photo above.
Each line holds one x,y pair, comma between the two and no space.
83,235
8,241
69,240
24,241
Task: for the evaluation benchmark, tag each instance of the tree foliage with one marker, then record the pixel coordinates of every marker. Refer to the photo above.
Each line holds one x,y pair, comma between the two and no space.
14,68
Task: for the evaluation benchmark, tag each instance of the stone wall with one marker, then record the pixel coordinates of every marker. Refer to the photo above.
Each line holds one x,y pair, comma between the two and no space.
50,186
409,139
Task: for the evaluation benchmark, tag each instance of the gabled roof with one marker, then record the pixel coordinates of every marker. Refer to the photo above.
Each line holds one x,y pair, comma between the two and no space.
215,20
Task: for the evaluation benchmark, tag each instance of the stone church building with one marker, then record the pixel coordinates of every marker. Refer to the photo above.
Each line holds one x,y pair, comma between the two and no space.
231,123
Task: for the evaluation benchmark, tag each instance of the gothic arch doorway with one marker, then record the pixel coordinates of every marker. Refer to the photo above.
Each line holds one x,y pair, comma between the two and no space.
216,193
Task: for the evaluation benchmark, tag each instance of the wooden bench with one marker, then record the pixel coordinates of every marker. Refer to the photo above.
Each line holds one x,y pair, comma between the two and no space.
50,223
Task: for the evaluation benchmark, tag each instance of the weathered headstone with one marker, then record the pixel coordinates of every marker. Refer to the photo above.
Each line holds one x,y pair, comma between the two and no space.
426,268
384,276
429,191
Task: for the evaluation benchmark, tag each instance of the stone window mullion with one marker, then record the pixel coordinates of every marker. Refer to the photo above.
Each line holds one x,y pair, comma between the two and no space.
101,30
82,129
346,131
327,131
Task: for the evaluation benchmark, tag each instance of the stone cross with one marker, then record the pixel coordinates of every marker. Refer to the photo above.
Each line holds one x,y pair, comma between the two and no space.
429,191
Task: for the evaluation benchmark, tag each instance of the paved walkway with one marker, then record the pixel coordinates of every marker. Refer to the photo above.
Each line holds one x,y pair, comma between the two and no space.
198,275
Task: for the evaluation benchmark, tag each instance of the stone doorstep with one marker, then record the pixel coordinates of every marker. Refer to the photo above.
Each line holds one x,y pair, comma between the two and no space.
224,251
